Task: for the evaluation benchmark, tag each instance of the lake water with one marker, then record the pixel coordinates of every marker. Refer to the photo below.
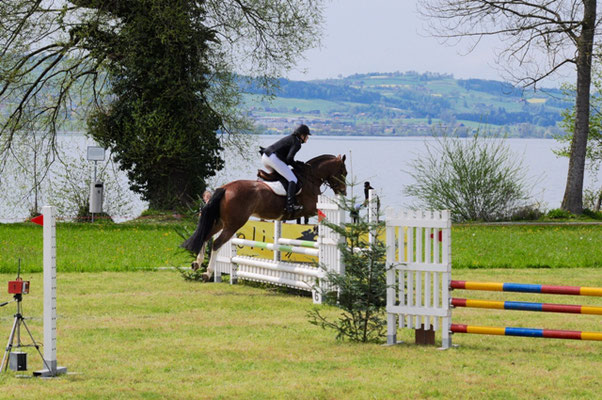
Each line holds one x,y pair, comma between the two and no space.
382,161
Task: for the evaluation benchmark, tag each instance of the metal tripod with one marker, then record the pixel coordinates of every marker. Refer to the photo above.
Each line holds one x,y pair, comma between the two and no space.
16,333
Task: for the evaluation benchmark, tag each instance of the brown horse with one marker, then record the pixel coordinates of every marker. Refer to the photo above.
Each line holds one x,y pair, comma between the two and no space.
232,204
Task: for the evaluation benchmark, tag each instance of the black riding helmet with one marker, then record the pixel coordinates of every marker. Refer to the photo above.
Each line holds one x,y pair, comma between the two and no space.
302,130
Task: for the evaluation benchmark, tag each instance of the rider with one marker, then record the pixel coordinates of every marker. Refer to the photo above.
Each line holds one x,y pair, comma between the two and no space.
280,155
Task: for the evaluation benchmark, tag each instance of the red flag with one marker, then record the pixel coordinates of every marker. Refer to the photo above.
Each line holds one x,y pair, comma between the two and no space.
38,220
321,216
440,236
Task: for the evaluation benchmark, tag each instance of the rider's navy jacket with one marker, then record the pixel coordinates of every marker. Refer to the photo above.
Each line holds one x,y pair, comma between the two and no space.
285,148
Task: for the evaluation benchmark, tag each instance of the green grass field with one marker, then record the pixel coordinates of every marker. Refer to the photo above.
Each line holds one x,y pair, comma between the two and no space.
130,331
151,335
135,246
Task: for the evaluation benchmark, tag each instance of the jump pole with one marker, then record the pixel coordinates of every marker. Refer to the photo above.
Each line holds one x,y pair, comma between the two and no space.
48,221
527,288
526,332
526,306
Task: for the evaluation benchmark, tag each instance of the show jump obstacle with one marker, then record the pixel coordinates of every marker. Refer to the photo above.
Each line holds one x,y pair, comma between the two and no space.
304,276
419,284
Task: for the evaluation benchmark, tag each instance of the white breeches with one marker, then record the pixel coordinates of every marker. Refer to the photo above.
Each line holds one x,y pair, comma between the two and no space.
273,163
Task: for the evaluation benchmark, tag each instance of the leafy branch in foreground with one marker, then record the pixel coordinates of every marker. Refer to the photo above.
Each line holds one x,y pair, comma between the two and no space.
155,79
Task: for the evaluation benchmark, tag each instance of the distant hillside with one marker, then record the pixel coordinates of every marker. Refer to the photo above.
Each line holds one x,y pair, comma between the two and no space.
406,104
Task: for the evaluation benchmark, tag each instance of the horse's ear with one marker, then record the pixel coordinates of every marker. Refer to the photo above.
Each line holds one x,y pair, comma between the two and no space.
344,157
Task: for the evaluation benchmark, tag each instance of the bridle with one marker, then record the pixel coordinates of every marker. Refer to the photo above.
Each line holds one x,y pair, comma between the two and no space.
326,181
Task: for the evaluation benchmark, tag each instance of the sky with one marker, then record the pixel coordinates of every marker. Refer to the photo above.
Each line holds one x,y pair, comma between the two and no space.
363,36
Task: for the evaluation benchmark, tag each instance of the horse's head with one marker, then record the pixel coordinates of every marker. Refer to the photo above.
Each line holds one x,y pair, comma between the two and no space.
338,178
331,170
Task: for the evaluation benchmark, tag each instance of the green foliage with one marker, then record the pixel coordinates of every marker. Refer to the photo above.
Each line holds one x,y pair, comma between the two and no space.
478,179
559,213
594,140
192,275
159,125
361,290
527,213
152,77
592,214
592,198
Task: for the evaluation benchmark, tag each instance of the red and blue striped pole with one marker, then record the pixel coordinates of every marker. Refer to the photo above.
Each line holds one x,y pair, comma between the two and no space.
526,306
526,332
527,288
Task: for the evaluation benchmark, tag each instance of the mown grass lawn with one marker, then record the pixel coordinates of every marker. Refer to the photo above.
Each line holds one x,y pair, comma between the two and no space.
130,331
135,246
152,335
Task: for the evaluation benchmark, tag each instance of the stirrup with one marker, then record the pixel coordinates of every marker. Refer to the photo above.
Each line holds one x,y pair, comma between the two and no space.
293,208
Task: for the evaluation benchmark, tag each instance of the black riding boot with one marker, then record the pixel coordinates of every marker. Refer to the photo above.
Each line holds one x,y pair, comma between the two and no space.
291,204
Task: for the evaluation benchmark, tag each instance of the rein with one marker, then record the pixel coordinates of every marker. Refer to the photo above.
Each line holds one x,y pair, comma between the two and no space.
309,176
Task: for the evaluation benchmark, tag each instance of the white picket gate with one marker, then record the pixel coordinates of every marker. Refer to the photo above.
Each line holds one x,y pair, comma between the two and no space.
419,256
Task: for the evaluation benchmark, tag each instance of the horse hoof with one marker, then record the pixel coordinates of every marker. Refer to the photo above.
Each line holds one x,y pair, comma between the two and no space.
194,265
206,277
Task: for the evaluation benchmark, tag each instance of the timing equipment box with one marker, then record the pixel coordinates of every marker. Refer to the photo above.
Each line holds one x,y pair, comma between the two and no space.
18,287
17,361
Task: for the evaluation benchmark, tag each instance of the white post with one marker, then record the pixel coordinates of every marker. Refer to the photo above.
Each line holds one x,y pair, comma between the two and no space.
49,213
277,235
391,284
329,255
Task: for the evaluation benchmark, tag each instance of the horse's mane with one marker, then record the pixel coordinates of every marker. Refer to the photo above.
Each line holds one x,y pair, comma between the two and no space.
304,170
320,158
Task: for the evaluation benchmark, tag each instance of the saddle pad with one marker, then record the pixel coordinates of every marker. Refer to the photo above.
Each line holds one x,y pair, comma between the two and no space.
277,188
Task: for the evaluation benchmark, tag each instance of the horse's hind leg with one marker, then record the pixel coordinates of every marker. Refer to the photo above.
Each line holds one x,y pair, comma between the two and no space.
223,237
200,258
196,264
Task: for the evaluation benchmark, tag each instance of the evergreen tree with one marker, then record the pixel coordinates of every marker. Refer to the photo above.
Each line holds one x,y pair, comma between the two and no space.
361,289
159,125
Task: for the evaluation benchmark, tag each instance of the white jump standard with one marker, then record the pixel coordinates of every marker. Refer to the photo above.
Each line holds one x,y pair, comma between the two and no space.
50,362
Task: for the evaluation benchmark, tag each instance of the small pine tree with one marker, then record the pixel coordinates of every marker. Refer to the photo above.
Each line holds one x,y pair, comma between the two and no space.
361,289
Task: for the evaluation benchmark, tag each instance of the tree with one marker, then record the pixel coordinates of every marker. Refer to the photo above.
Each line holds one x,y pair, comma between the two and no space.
101,58
563,30
158,124
593,153
362,288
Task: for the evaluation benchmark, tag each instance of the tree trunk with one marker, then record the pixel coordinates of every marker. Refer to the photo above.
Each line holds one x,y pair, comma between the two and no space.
573,194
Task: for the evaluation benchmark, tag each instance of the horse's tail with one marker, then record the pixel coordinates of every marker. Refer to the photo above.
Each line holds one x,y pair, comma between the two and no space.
209,215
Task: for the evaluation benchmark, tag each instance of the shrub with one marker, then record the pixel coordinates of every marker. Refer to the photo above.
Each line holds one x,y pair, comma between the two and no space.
559,213
592,198
527,213
592,214
476,179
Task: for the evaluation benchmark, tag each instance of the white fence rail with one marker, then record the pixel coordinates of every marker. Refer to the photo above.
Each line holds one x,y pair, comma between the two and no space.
297,275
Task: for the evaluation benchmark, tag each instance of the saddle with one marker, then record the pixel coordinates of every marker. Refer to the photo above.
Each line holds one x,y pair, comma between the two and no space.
277,182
